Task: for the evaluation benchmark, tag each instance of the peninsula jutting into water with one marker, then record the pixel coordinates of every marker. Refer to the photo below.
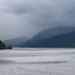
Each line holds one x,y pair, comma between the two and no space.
3,46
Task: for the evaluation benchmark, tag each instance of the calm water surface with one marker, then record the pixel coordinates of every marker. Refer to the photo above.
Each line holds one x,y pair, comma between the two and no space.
37,61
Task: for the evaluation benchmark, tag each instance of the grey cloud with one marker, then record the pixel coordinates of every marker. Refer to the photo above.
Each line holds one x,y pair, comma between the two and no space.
31,16
19,6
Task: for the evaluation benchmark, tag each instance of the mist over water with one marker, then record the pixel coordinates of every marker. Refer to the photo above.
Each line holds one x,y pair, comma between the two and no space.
37,61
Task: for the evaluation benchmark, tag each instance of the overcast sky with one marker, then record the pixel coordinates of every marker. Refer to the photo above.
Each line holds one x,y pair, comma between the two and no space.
28,17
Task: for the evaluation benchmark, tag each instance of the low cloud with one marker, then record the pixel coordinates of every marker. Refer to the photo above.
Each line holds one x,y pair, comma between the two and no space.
28,17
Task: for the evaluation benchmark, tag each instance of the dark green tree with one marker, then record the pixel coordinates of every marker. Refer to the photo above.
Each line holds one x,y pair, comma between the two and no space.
2,45
9,47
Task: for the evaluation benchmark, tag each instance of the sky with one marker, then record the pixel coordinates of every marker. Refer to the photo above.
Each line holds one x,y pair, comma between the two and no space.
28,17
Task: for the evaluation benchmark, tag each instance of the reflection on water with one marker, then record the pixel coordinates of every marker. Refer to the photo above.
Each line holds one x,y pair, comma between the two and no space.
37,61
6,62
44,62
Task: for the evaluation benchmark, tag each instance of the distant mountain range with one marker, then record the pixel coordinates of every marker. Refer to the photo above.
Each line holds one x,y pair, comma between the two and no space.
64,40
52,37
42,39
15,41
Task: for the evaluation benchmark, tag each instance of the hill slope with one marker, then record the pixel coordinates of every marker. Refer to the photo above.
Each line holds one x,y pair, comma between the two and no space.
2,45
48,33
64,40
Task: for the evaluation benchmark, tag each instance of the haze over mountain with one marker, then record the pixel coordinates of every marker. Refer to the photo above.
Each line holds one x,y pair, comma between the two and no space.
48,33
15,41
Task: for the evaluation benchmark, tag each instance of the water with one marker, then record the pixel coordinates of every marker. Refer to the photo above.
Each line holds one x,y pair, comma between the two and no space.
37,61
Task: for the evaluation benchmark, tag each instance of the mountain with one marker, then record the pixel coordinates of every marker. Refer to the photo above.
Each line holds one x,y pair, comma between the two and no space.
48,33
3,46
15,41
64,40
